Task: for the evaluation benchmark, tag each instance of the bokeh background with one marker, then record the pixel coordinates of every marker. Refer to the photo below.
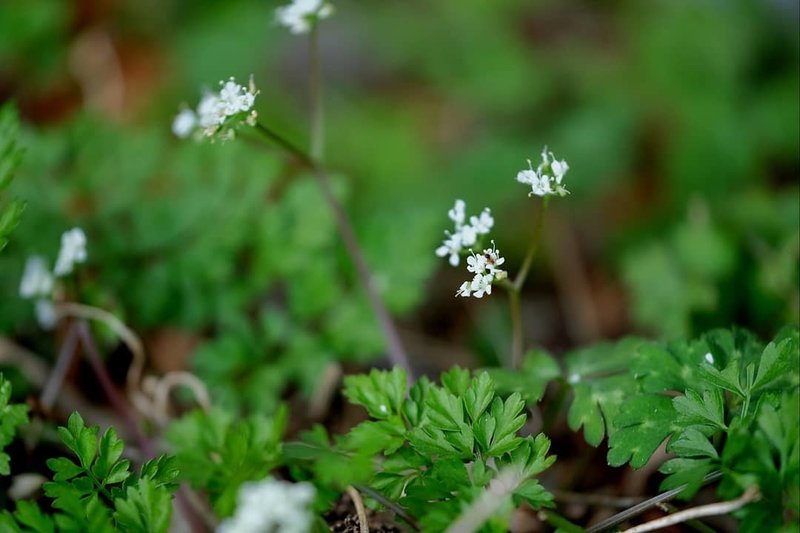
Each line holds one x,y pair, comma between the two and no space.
680,121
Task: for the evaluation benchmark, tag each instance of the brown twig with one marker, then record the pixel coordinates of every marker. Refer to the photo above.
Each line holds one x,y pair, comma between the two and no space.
713,509
56,379
363,525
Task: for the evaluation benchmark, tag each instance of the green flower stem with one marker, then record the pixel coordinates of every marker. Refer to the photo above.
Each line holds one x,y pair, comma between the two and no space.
317,148
397,353
515,287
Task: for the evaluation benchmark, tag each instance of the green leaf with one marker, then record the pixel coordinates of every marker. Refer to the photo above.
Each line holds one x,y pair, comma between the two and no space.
444,409
109,452
29,515
644,422
146,508
533,493
11,417
708,409
509,419
692,443
456,380
478,396
778,364
685,471
373,437
381,393
530,380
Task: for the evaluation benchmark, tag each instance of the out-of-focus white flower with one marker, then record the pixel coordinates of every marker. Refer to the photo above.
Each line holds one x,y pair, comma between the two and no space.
73,250
219,113
37,281
46,313
451,247
457,214
464,235
301,14
546,180
184,123
482,224
271,506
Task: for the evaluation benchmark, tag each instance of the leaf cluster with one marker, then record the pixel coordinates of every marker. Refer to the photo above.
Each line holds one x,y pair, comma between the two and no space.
11,417
436,443
96,489
217,453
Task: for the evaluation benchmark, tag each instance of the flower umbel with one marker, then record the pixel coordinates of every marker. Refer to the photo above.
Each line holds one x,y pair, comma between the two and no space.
546,180
219,113
464,235
271,505
485,266
301,15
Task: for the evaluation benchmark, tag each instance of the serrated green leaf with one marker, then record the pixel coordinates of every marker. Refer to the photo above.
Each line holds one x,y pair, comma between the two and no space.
381,393
109,451
692,443
456,380
11,417
685,471
778,364
644,422
509,418
478,396
146,508
534,494
707,409
29,515
444,409
373,437
63,468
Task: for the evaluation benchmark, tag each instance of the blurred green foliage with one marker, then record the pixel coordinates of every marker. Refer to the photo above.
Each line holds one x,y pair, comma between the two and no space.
668,107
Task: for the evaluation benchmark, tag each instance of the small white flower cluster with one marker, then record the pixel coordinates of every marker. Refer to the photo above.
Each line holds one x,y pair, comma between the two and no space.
38,283
485,267
300,15
465,235
546,179
218,113
271,506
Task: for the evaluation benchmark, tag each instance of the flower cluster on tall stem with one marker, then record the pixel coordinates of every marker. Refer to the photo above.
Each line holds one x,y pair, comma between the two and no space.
219,113
547,178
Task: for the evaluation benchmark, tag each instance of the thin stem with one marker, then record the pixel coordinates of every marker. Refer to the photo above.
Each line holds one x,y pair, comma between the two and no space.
712,509
515,287
559,522
117,401
645,505
121,406
389,504
516,328
63,361
397,353
315,93
532,247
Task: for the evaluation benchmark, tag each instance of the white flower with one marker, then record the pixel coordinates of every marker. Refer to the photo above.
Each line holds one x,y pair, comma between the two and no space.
37,281
301,14
465,290
452,247
46,313
271,506
559,168
184,123
73,250
482,224
217,113
457,213
493,260
540,186
476,264
482,284
469,235
540,180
